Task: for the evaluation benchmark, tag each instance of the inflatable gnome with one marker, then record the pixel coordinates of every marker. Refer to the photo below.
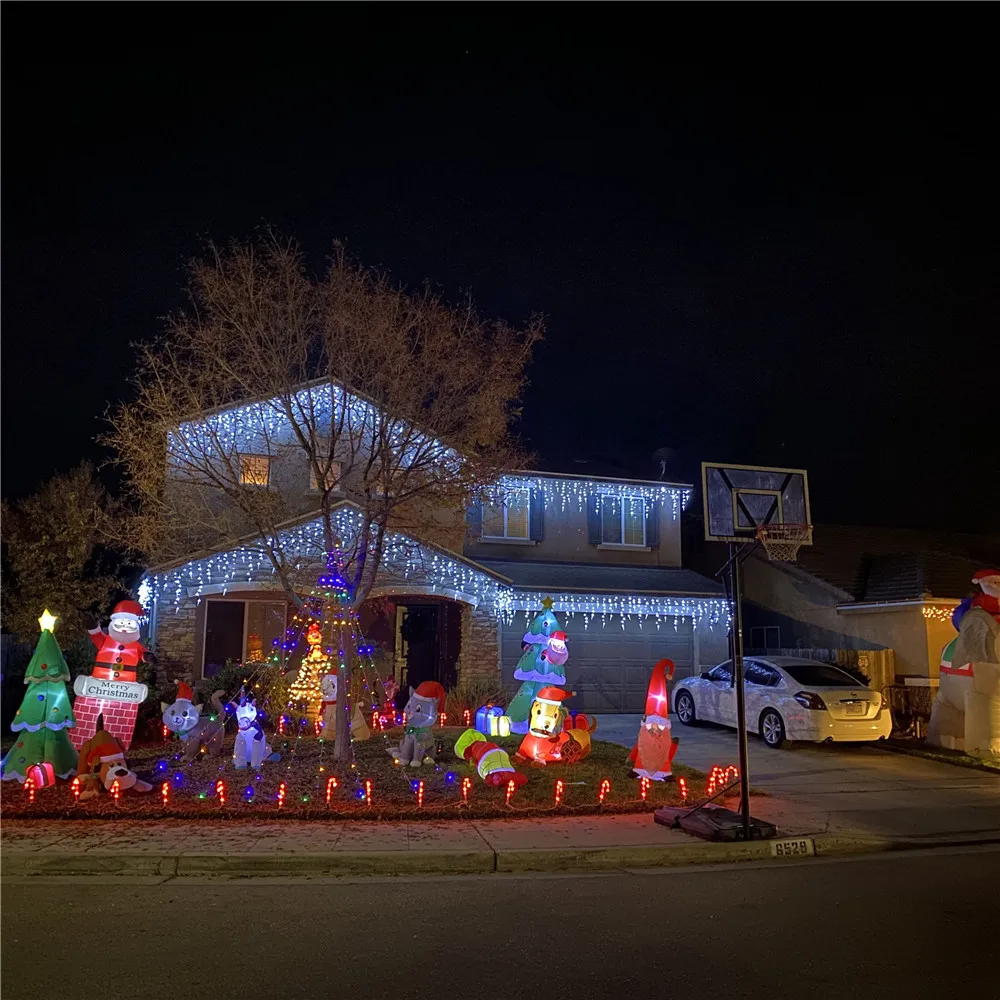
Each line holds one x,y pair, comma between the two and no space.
541,665
655,748
42,750
490,761
417,744
966,712
111,689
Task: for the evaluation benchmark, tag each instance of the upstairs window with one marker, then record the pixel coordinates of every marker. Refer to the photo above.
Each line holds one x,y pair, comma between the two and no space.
332,478
623,521
255,470
509,518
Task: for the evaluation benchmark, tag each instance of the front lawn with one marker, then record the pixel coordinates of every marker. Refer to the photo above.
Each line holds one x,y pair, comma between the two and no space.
306,766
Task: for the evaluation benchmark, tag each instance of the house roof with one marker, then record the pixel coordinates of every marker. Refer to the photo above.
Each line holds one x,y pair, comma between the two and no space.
589,578
895,564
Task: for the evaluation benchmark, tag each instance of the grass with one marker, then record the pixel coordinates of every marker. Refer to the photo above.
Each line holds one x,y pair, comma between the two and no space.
942,754
306,765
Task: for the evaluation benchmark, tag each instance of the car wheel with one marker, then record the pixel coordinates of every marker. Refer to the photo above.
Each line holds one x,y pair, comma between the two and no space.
684,707
772,728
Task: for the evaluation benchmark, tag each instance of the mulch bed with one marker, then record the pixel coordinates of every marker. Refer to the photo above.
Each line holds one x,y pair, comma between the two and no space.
307,764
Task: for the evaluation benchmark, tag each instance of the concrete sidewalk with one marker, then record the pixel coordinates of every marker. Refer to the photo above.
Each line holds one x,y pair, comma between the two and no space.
592,843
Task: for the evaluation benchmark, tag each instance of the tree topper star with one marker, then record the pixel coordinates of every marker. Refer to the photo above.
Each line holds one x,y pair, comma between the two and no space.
47,621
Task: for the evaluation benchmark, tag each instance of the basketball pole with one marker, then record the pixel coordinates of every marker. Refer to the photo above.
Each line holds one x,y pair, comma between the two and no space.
741,715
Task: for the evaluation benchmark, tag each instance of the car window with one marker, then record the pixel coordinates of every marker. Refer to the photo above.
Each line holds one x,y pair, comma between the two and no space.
723,672
762,676
819,675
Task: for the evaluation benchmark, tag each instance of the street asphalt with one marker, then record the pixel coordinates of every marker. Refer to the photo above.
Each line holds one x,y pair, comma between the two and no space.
880,927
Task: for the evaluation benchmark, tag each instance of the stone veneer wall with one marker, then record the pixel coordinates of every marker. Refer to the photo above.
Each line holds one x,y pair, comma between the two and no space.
479,656
175,636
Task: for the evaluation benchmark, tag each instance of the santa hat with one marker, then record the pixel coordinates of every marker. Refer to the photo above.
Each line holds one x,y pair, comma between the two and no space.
106,752
553,695
558,635
184,692
127,609
433,690
985,574
657,702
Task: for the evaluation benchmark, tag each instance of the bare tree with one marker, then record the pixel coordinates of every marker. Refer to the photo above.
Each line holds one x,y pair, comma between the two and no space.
400,403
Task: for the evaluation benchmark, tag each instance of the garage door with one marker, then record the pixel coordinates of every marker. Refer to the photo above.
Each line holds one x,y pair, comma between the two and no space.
609,668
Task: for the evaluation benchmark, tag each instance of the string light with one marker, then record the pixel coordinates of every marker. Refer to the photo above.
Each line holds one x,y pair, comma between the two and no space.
165,793
643,788
466,785
511,788
558,793
605,788
220,792
75,786
938,612
565,492
331,787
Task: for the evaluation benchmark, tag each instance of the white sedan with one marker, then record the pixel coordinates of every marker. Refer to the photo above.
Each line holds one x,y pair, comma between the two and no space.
787,698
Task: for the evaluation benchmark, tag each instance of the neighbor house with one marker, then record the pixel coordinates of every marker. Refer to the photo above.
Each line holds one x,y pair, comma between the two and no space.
859,588
453,601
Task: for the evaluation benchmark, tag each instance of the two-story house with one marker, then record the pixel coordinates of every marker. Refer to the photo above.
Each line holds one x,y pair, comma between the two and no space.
607,551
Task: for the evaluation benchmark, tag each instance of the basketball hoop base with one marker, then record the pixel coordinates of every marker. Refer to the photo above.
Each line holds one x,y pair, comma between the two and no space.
782,542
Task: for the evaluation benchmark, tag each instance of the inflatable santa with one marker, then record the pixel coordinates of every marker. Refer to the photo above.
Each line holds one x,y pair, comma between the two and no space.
655,748
111,689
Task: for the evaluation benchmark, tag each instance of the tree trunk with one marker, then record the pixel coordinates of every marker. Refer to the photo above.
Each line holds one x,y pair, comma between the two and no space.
342,742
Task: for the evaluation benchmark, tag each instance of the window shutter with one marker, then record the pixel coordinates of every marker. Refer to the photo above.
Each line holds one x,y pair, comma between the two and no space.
652,523
474,519
536,515
593,519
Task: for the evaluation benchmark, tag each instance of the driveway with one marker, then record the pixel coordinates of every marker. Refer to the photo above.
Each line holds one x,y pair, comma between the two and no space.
857,787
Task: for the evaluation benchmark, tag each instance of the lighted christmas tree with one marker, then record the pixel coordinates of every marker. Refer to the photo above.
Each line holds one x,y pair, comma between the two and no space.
306,690
327,619
540,665
45,713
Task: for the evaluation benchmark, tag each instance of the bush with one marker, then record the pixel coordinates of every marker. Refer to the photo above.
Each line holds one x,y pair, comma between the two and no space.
473,694
266,684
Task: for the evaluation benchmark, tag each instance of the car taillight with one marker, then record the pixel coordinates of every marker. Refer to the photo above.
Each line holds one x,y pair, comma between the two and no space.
809,700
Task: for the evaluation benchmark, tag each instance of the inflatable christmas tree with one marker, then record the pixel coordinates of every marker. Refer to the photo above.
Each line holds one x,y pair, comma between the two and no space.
541,664
45,713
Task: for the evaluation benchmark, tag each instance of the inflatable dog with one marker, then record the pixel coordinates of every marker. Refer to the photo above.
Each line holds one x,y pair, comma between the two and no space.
102,763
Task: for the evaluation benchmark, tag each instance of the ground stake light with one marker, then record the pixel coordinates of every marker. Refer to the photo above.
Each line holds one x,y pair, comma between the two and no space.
683,785
558,794
220,791
420,793
511,788
75,786
116,791
29,787
605,788
368,791
466,785
643,788
282,792
331,787
165,793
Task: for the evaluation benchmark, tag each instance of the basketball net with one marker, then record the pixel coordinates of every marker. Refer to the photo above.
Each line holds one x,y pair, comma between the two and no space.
782,541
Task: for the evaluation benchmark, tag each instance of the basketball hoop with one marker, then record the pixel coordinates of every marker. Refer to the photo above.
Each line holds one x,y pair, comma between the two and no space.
782,541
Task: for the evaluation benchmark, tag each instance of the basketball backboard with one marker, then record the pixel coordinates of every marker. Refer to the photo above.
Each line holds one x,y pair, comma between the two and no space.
738,499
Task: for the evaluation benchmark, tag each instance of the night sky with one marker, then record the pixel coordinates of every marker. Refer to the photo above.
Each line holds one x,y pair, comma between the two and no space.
751,256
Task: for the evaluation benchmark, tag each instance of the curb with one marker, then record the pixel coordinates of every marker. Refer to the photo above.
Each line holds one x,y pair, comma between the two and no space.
389,863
